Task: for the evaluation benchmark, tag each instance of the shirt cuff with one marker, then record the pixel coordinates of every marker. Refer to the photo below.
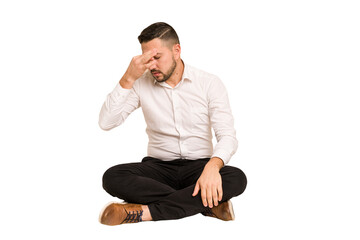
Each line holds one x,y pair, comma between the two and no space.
223,155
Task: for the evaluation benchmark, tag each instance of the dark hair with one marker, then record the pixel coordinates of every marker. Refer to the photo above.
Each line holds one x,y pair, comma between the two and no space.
159,30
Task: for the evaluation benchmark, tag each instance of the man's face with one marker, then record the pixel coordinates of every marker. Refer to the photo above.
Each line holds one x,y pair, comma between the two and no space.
164,61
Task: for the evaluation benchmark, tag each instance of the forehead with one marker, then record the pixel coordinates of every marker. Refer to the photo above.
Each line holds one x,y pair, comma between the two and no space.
155,43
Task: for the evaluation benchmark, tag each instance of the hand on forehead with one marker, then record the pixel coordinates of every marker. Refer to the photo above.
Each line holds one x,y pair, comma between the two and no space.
147,56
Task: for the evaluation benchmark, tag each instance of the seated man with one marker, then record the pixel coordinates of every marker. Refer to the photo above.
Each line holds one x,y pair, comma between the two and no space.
183,174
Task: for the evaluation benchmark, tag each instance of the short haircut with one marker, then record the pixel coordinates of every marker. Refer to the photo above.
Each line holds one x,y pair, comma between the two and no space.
159,30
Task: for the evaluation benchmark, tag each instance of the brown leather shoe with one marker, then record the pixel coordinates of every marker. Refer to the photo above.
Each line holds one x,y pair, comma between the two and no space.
223,211
119,213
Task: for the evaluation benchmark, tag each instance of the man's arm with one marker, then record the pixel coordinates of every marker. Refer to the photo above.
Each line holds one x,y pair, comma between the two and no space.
222,122
123,100
119,104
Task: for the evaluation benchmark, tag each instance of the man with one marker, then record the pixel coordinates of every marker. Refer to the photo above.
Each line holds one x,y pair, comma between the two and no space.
182,175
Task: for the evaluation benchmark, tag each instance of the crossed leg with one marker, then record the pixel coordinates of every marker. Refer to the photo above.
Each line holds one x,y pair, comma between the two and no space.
166,187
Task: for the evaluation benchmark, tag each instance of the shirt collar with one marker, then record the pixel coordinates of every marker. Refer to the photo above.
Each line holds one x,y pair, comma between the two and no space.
186,74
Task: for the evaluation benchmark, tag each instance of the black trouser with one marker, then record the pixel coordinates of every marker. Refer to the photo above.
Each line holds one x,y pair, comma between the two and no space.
167,186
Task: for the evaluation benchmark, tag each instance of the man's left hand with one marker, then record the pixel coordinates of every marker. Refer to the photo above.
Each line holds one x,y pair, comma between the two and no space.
210,184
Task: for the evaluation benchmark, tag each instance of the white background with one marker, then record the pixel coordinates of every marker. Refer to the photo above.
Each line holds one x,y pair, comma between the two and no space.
292,72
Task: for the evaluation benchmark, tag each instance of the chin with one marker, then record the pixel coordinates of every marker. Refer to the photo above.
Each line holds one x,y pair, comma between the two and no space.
160,80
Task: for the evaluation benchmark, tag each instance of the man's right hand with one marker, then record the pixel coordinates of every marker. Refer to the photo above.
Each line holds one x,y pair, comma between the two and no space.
137,67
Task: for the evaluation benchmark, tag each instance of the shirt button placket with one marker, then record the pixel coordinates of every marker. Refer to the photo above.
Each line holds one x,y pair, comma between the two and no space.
177,117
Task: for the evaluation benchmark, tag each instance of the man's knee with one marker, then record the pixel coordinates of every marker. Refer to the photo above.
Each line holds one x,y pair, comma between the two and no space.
108,180
235,179
113,177
241,181
116,180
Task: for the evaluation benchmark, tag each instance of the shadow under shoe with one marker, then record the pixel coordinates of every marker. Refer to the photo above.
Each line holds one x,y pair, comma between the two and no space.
119,213
223,211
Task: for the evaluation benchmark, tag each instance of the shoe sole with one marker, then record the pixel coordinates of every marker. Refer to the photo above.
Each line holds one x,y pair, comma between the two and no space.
232,214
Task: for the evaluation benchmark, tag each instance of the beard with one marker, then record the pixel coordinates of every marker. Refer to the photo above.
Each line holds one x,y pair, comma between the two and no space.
165,76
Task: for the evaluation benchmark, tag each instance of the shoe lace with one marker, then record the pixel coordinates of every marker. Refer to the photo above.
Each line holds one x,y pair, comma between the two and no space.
133,216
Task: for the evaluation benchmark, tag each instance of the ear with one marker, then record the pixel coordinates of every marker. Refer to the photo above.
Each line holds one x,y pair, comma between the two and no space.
176,51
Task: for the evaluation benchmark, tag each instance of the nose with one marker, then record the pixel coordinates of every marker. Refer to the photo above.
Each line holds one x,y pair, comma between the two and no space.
153,65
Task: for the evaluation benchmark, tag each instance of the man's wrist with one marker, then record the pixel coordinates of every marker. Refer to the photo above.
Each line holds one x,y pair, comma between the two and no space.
126,83
215,163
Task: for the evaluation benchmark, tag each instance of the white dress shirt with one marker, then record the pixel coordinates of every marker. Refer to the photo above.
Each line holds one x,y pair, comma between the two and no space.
178,119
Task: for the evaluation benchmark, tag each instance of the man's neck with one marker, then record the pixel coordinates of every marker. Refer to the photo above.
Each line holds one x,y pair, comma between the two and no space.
177,74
